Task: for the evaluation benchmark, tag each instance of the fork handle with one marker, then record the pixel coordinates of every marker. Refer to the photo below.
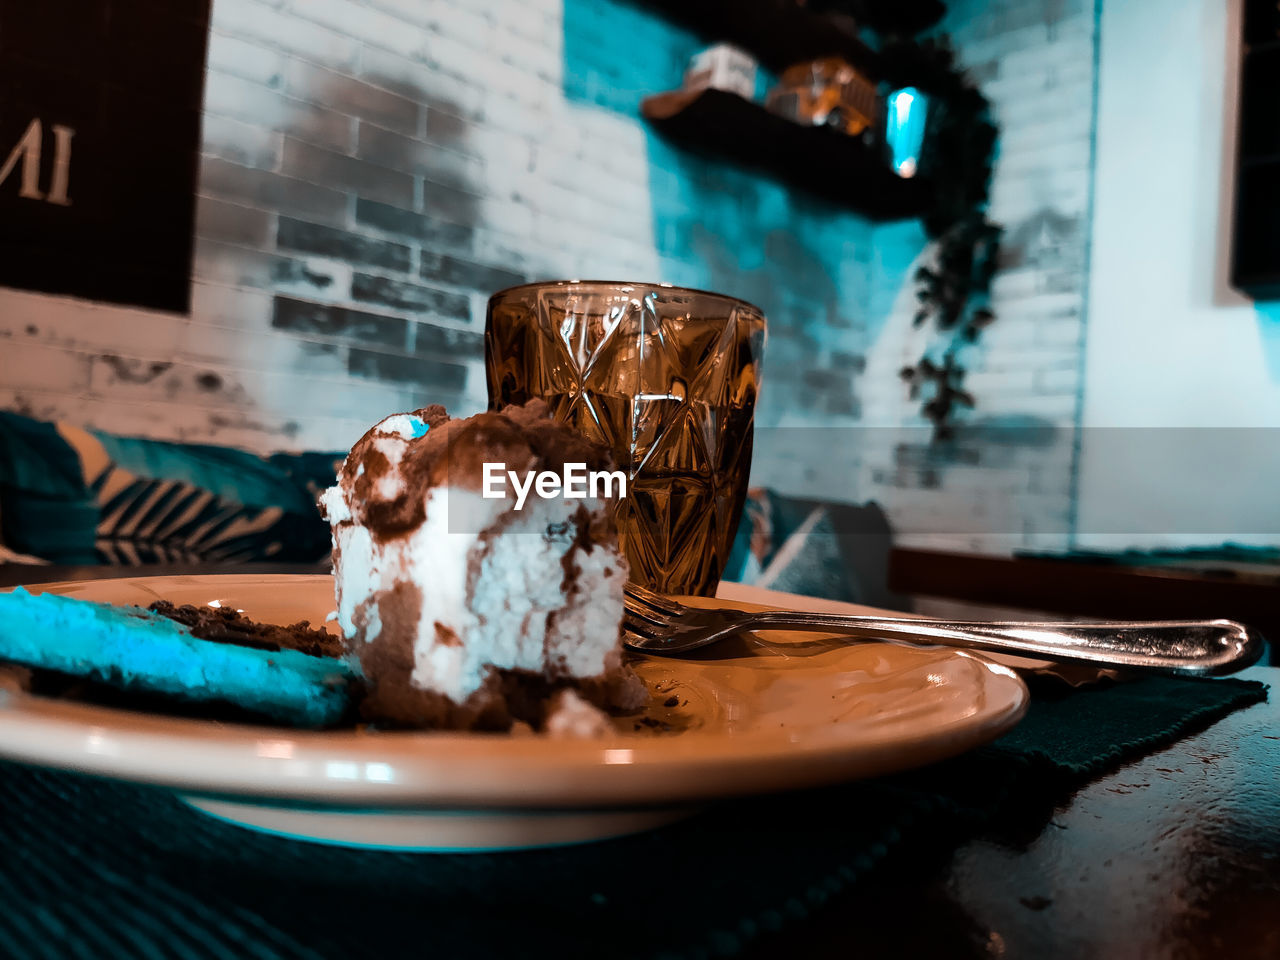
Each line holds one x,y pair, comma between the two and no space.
1198,647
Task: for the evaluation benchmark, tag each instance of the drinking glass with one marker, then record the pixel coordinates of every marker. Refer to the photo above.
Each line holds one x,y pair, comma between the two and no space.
666,377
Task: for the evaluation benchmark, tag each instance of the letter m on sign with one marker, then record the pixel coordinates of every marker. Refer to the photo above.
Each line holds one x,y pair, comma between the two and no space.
26,153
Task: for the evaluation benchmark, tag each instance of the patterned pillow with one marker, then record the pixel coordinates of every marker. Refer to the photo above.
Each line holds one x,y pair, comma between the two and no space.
75,496
815,548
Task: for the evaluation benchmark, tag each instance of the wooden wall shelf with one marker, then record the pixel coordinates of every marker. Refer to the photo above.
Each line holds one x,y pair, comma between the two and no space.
780,33
823,162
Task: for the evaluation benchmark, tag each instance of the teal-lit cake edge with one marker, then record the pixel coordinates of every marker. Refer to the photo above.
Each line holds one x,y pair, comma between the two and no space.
134,649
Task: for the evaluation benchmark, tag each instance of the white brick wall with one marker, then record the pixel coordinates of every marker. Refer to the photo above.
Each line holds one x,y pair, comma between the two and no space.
448,121
453,108
1036,58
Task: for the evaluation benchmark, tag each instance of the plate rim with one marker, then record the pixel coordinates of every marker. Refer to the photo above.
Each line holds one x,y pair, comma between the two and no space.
444,769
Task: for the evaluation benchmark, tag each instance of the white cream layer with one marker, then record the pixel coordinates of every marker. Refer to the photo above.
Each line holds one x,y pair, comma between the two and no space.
518,587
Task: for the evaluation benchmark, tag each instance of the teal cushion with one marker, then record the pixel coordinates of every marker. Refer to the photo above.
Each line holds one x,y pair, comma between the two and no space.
46,510
80,497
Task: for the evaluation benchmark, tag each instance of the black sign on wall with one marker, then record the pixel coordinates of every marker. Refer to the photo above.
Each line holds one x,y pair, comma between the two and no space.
100,104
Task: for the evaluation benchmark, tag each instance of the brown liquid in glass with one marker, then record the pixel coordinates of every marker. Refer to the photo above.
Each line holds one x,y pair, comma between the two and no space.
675,403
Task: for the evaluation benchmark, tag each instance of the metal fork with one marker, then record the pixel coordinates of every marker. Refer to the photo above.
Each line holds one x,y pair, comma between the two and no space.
658,624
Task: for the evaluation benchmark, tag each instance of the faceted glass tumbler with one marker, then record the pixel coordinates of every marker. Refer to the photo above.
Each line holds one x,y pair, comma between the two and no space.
667,378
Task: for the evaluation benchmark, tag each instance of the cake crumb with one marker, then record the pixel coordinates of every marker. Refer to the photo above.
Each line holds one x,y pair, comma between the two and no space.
573,718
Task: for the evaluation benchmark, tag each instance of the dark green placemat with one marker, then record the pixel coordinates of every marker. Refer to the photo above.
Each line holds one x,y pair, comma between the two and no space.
96,869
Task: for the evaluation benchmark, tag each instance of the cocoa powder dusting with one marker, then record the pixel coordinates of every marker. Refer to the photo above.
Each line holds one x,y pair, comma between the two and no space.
446,637
453,453
225,625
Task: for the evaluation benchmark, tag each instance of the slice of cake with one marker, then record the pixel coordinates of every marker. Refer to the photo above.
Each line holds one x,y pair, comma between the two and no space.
473,611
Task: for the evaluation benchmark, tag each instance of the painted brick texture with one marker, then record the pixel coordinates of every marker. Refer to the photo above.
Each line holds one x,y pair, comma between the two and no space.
1007,478
371,172
373,169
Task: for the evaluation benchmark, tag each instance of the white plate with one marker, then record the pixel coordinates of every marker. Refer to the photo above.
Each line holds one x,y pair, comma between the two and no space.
750,720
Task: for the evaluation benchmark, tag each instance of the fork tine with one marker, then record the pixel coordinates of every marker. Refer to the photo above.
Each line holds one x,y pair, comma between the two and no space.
638,641
642,630
642,615
647,625
647,635
655,601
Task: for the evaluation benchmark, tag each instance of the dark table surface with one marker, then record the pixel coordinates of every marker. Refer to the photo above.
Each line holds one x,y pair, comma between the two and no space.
1175,855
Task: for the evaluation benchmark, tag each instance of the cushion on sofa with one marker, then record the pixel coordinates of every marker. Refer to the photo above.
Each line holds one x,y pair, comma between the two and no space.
816,548
75,496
